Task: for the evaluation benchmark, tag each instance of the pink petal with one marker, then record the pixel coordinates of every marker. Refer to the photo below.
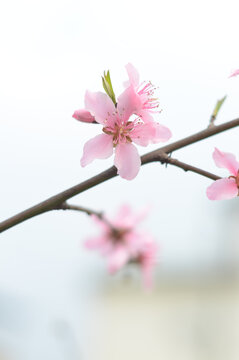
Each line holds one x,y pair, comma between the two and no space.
234,73
122,215
100,243
134,241
145,115
100,147
100,105
226,160
95,242
132,74
222,189
128,103
126,218
83,115
127,160
143,134
150,132
117,259
162,133
100,223
148,263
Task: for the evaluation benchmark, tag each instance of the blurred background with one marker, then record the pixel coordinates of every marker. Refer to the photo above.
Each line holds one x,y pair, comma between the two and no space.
56,299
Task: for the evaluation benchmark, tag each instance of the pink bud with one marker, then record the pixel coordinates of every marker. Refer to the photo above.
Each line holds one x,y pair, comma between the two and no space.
84,116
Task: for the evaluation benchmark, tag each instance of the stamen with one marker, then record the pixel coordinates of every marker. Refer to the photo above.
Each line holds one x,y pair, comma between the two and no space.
147,93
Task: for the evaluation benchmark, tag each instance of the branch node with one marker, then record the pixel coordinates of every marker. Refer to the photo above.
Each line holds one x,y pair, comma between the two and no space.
62,206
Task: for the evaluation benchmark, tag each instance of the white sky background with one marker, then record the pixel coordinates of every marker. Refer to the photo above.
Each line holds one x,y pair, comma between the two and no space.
51,52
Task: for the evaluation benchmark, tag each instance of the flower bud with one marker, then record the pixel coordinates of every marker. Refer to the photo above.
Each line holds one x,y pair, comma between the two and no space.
84,116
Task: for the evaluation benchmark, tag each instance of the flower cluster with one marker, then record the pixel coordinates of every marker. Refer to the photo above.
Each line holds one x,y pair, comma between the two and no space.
120,242
124,122
127,120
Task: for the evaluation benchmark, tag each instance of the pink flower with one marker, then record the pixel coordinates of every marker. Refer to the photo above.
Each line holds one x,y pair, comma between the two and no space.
120,130
148,104
234,73
126,122
226,188
121,243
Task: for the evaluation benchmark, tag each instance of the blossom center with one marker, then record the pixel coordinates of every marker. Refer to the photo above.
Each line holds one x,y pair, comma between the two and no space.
120,130
116,235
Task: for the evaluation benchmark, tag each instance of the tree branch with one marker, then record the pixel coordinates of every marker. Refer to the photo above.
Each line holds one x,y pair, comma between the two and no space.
54,202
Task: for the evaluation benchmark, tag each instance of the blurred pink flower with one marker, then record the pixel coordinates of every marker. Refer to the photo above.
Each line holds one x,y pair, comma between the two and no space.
226,188
119,131
121,243
234,73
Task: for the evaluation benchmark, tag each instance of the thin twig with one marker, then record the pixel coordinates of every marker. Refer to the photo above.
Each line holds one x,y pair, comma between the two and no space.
66,206
55,201
186,167
99,214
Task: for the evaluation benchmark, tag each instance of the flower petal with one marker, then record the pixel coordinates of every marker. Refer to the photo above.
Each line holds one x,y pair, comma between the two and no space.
93,243
123,213
83,115
222,189
234,73
100,147
148,258
226,160
117,259
129,103
103,225
100,106
150,132
145,115
143,134
132,74
126,218
127,160
162,133
134,240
